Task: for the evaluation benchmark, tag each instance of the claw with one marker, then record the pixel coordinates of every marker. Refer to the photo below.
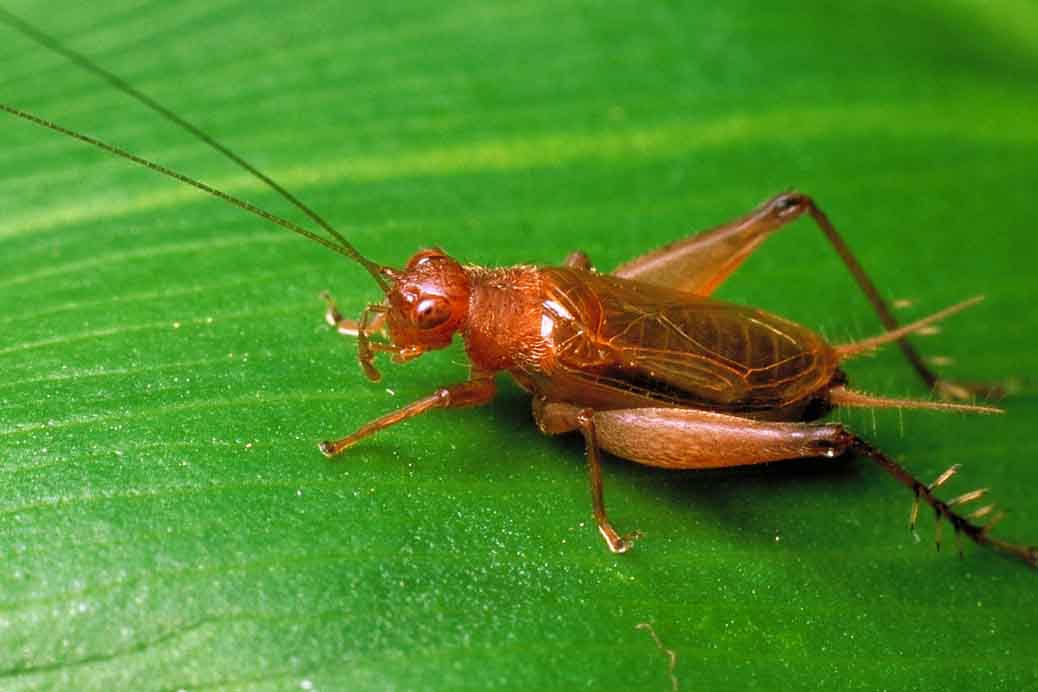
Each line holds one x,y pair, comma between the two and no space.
618,544
331,310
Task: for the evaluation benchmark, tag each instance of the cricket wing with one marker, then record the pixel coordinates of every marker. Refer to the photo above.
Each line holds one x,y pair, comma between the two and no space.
676,348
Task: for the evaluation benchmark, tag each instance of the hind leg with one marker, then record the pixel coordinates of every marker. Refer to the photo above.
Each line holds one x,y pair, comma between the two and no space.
679,438
702,262
691,439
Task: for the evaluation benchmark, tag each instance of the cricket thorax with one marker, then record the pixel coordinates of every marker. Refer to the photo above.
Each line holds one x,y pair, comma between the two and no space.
504,332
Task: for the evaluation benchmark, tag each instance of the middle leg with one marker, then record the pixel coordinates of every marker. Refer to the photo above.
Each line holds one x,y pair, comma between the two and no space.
553,419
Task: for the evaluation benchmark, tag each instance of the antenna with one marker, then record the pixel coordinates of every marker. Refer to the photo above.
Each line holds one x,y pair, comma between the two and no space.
346,251
343,246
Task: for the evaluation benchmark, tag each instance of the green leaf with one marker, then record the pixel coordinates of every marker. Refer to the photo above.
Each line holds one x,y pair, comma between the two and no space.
165,518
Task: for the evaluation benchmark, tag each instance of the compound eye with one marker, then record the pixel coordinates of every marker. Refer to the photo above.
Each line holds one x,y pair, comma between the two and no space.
432,312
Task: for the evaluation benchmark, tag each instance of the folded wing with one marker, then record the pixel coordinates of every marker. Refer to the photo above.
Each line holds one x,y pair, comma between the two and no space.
675,348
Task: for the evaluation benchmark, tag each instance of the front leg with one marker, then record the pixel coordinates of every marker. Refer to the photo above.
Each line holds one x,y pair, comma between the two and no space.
477,391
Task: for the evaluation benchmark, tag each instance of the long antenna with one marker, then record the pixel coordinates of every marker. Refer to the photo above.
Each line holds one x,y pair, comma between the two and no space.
85,63
346,251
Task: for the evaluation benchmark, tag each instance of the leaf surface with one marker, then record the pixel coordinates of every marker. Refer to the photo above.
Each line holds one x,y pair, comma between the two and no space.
166,521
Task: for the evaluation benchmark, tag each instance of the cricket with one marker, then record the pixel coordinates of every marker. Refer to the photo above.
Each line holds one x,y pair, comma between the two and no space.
641,361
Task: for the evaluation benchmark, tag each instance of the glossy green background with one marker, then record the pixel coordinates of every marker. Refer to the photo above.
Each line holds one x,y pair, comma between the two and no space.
165,519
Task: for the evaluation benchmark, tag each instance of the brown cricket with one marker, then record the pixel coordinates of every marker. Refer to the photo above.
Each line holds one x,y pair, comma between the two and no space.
642,361
645,365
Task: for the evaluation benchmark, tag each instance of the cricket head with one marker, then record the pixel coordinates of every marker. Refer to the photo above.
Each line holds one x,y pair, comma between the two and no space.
426,303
